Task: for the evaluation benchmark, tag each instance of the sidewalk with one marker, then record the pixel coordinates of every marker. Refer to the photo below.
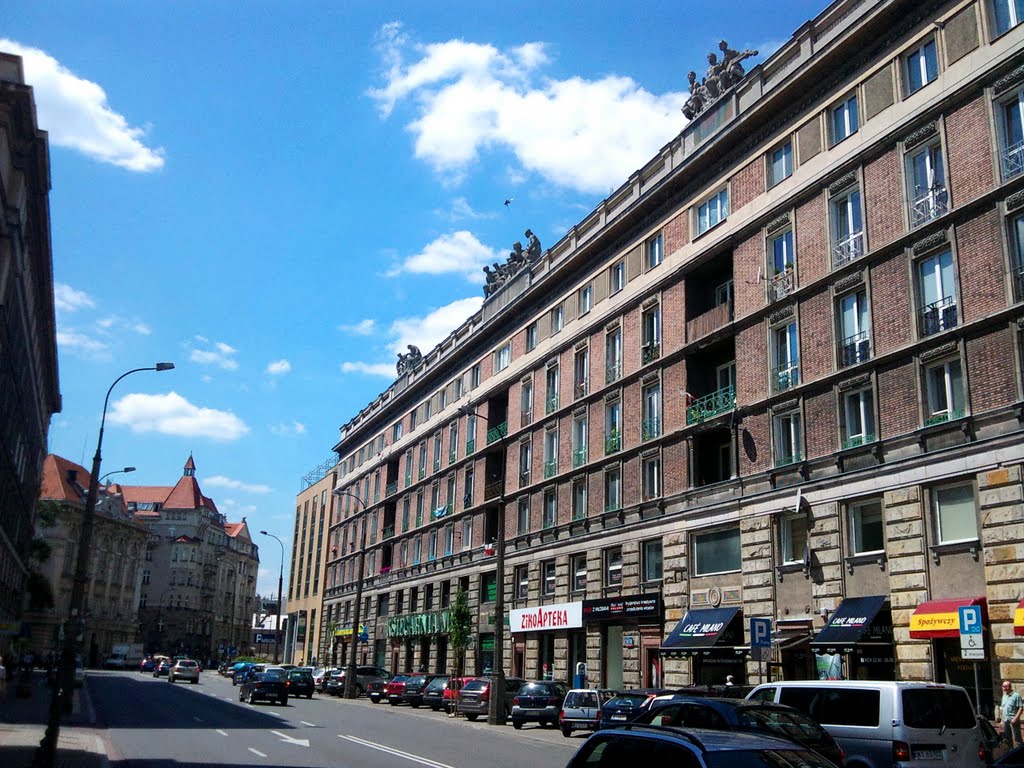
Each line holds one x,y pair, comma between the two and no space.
23,723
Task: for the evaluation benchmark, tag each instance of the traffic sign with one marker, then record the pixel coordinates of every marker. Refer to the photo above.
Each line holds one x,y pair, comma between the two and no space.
972,641
760,638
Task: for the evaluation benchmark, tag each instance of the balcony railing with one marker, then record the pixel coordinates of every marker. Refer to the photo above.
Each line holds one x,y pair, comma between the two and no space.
579,457
612,372
785,376
391,488
709,322
651,428
453,455
944,416
389,532
550,468
650,352
855,349
524,478
525,418
551,404
422,472
493,488
929,205
613,442
712,405
1012,160
846,250
857,440
580,389
437,463
494,434
785,459
782,284
470,446
937,316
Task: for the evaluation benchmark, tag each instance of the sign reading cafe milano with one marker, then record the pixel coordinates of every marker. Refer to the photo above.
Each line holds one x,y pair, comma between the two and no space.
542,618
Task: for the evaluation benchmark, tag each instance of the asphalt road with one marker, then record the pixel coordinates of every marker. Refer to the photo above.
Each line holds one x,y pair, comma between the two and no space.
150,722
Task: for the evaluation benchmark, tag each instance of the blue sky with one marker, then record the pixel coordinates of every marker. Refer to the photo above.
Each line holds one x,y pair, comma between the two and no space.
279,197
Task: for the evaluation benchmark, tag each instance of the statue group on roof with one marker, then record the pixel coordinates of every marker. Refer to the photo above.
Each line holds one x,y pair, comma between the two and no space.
721,76
409,360
498,274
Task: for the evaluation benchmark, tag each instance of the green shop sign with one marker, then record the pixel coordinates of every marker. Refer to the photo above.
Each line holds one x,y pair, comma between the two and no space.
419,624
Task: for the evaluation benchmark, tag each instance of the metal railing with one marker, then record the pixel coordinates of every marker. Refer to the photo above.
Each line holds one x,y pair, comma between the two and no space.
493,489
782,284
422,472
785,376
613,442
786,459
453,455
579,457
580,390
437,463
551,404
550,468
470,446
930,205
709,406
612,372
650,352
1012,160
391,488
857,440
525,418
938,316
846,250
650,428
944,416
854,349
494,434
389,532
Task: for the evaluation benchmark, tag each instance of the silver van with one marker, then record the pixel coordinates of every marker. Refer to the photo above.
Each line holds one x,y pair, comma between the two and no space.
879,724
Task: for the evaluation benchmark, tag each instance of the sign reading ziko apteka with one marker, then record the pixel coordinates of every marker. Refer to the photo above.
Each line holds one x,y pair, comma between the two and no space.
419,624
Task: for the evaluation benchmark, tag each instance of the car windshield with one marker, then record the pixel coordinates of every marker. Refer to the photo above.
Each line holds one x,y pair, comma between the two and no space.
537,689
627,700
792,725
766,758
437,684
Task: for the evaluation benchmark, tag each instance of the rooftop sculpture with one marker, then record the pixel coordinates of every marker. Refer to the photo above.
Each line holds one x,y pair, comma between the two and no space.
409,360
499,274
721,76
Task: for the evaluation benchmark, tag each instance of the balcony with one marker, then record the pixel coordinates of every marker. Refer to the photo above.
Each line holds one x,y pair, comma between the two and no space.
613,373
709,406
494,434
785,459
470,446
937,317
550,468
846,250
1011,160
709,322
551,404
785,376
613,442
856,441
493,489
930,205
453,456
389,532
854,349
422,472
650,428
579,457
944,416
783,284
650,352
391,488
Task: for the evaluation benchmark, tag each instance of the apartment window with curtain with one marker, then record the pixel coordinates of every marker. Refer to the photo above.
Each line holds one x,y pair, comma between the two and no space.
846,227
525,461
612,426
579,498
780,163
716,552
785,372
579,440
650,397
920,66
550,508
844,120
854,328
782,272
613,355
712,211
858,415
788,437
526,402
926,183
956,517
650,477
944,392
936,286
650,329
655,251
551,451
581,372
613,489
867,526
551,389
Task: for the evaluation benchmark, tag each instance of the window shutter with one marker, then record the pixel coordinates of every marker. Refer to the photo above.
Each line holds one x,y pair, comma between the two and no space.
633,263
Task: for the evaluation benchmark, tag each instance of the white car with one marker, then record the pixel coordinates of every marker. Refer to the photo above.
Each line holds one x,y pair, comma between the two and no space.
184,669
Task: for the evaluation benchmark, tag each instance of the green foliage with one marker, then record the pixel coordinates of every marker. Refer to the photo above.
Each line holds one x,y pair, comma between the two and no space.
46,513
40,596
460,624
37,588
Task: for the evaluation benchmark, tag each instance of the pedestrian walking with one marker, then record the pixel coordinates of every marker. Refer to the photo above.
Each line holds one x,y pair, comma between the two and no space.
1010,708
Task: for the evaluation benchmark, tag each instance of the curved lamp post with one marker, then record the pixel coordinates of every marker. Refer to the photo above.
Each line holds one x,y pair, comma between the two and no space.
74,626
280,586
351,691
116,472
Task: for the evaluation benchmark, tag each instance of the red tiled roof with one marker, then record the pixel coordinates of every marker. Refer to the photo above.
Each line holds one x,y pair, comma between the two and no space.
232,529
190,464
185,495
56,486
141,494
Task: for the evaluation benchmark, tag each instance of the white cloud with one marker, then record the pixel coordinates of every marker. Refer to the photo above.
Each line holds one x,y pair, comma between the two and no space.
279,367
428,331
109,324
219,481
386,370
460,253
461,210
231,507
172,414
221,355
587,135
282,429
362,328
76,114
82,345
68,299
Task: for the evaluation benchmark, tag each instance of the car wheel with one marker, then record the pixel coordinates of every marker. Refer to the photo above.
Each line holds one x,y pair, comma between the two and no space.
252,697
196,681
567,731
241,696
434,708
471,717
517,724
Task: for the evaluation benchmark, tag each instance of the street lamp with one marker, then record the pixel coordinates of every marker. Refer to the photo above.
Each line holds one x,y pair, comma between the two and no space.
351,691
47,752
280,585
115,472
496,714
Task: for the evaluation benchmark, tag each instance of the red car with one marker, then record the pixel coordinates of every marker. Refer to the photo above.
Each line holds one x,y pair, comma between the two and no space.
395,688
451,692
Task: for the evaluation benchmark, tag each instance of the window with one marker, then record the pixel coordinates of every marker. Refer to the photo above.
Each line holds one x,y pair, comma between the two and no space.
716,552
467,488
428,408
854,329
788,438
525,461
793,538
550,508
579,441
474,376
449,498
782,274
523,516
449,539
550,452
488,588
650,479
937,288
920,66
612,489
467,533
417,550
412,426
926,184
712,211
522,577
396,432
579,499
651,562
557,318
470,434
651,402
617,277
547,572
578,569
442,399
843,119
531,337
613,355
785,358
613,567
955,516
459,388
858,417
945,392
422,466
503,357
453,442
419,508
650,330
551,386
1017,260
654,251
847,228
526,402
586,299
867,532
1006,14
1011,134
780,163
581,372
612,426
432,545
438,445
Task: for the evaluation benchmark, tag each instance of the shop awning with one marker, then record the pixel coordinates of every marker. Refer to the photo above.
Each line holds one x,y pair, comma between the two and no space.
703,630
857,620
1018,619
940,618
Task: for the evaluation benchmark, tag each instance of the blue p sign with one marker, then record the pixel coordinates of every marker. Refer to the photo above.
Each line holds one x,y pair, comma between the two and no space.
970,619
760,633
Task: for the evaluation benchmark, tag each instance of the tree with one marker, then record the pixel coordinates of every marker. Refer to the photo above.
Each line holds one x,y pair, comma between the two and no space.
37,587
459,625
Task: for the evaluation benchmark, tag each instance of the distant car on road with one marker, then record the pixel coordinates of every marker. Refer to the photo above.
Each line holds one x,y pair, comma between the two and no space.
265,686
163,666
147,665
300,683
184,669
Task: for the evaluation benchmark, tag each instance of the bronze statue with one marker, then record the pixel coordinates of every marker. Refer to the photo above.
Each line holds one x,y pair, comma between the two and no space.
409,360
533,250
721,76
732,69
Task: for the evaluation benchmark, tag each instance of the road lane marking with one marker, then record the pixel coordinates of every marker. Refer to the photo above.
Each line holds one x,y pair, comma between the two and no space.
256,752
222,733
395,752
290,740
311,725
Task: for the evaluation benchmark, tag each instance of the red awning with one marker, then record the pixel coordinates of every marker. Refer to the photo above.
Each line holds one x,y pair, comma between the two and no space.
941,618
1018,620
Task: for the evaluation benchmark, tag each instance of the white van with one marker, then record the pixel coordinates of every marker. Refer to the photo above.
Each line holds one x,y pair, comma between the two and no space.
882,723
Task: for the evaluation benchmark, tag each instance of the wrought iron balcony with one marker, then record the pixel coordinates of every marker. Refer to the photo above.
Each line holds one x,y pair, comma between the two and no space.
453,456
846,250
551,404
650,352
494,434
579,457
783,284
389,532
944,416
391,488
928,205
470,446
550,468
857,440
855,349
786,459
1012,160
493,489
613,442
437,463
613,372
422,472
651,428
937,316
709,406
785,376
709,322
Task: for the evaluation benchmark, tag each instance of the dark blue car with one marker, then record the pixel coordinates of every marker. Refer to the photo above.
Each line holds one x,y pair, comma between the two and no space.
243,673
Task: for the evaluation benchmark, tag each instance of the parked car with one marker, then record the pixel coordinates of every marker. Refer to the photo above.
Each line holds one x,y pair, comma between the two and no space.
634,744
433,693
475,696
365,674
375,691
266,686
394,689
232,667
451,692
325,676
581,709
538,701
628,704
147,665
162,667
184,669
335,684
1014,758
885,722
299,683
996,748
414,688
743,715
318,676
